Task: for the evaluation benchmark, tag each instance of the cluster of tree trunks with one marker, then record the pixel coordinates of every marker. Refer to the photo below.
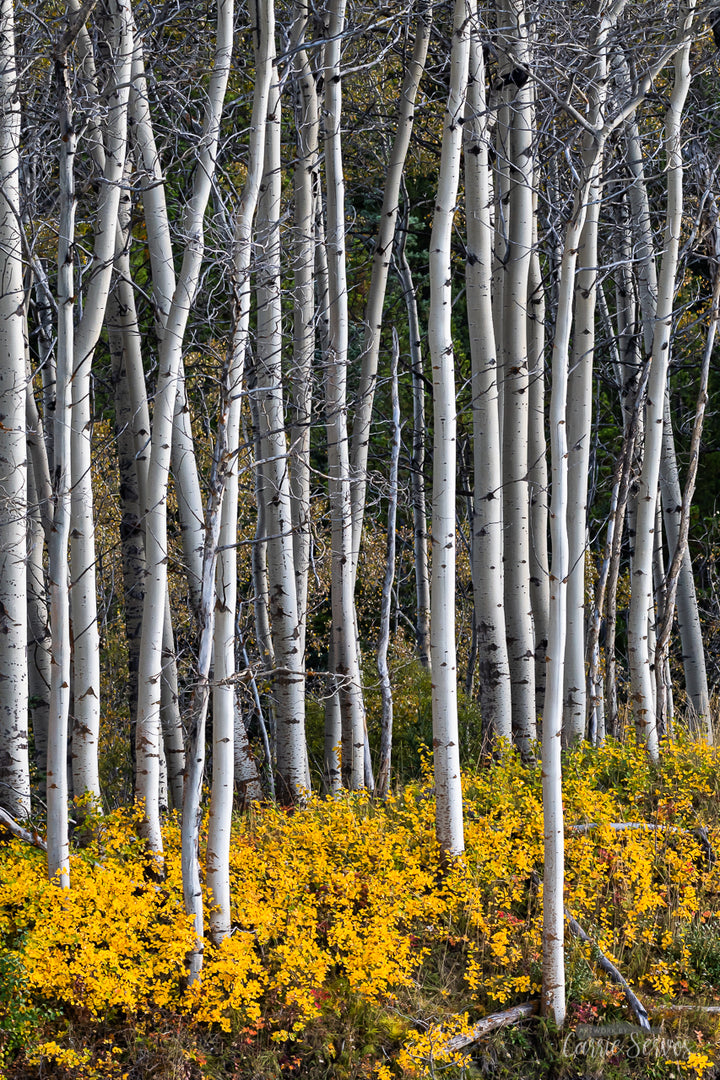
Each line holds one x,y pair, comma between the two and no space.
551,193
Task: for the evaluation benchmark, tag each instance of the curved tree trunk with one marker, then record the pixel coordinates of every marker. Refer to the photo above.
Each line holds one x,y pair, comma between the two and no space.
380,268
641,601
149,686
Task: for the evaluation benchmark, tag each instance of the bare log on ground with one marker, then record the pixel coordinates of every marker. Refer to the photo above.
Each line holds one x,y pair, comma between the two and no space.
492,1023
609,968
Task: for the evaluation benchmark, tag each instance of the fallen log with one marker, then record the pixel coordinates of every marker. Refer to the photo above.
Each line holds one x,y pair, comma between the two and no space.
28,835
700,833
492,1023
609,968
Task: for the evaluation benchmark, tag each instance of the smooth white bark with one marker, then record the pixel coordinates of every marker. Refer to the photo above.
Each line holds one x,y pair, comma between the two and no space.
370,353
83,594
346,660
149,685
224,702
14,763
641,602
487,547
446,751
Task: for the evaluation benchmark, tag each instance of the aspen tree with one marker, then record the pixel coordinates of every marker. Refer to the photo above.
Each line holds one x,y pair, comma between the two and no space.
487,547
641,599
417,477
346,661
83,595
382,258
514,39
225,728
287,679
446,756
58,844
383,779
148,723
553,982
306,181
14,763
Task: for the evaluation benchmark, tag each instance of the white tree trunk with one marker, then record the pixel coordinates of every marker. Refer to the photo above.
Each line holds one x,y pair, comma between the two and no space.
346,661
382,258
515,50
417,466
446,755
288,678
487,546
688,616
149,684
83,595
306,182
386,726
224,694
14,762
641,600
58,844
538,471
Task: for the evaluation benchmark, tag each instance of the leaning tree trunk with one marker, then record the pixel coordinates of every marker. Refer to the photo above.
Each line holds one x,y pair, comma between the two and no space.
14,762
688,616
641,599
224,691
156,548
382,258
448,789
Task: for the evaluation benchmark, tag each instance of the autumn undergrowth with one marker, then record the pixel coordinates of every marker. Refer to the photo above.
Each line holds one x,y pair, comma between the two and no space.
355,954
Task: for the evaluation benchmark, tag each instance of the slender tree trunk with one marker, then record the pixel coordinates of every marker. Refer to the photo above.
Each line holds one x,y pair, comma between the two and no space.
306,189
380,268
14,761
417,467
224,692
487,547
345,648
83,595
383,780
448,789
689,626
641,601
678,544
39,635
538,471
553,992
148,725
515,49
288,678
58,844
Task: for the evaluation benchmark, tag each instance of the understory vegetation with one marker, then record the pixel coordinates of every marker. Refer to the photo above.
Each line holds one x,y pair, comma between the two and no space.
355,953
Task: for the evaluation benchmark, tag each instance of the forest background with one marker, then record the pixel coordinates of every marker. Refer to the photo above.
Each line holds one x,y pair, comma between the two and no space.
354,373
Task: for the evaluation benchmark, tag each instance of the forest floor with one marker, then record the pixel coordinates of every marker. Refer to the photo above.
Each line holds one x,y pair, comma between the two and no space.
355,954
